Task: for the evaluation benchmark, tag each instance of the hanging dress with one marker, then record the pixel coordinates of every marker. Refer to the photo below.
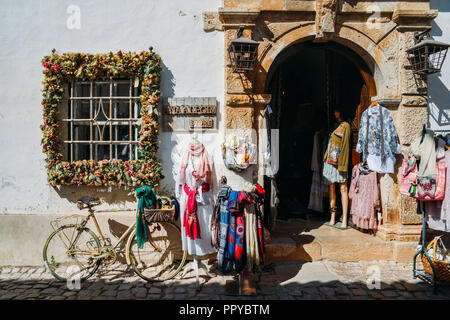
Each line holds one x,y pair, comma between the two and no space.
318,187
205,207
365,197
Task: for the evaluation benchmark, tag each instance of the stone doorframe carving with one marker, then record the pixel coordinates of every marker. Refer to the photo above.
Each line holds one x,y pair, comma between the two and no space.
287,22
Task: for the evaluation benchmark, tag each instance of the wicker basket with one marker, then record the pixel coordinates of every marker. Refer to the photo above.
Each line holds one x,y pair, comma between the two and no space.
159,215
442,268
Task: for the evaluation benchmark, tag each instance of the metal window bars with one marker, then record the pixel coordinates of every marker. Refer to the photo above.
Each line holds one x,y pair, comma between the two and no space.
102,120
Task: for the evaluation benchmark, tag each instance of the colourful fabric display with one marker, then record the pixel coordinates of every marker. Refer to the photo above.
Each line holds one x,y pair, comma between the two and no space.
241,235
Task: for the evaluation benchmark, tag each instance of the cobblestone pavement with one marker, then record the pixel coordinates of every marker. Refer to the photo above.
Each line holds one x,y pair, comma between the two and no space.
332,280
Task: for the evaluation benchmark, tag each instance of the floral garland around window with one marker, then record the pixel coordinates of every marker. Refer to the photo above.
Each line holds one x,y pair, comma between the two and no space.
58,69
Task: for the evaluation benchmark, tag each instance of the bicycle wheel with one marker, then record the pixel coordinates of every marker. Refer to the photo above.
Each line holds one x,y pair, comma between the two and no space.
161,257
69,253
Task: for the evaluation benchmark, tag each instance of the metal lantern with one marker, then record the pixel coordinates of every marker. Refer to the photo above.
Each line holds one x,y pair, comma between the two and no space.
242,52
427,56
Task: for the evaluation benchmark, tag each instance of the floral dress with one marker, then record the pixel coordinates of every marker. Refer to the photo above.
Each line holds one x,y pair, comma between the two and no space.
377,139
365,197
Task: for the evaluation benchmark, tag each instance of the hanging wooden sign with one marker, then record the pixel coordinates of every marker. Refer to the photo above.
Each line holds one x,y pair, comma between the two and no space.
187,113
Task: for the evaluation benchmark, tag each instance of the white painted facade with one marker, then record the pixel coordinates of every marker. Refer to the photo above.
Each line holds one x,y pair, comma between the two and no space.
192,66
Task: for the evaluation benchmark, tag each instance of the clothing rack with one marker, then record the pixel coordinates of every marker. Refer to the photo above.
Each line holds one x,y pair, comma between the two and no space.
242,286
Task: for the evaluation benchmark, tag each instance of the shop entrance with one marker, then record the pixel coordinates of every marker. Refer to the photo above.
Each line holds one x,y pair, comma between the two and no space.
308,82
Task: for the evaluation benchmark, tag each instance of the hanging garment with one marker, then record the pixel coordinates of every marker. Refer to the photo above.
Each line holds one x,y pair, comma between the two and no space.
260,225
316,153
318,186
445,214
274,203
267,136
438,212
146,198
240,251
225,264
233,210
365,197
377,139
424,149
315,195
205,207
236,234
251,236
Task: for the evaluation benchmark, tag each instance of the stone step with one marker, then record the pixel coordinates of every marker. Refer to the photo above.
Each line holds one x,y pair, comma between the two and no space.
304,241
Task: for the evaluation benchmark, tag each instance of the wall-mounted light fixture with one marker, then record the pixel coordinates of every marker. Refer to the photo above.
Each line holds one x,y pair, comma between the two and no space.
243,53
427,56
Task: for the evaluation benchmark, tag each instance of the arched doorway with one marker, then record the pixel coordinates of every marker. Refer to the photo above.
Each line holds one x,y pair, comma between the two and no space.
308,81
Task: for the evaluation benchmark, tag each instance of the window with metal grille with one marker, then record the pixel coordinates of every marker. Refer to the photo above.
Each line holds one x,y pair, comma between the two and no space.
102,120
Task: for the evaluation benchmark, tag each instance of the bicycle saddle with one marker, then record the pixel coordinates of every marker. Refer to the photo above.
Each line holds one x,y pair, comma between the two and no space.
88,201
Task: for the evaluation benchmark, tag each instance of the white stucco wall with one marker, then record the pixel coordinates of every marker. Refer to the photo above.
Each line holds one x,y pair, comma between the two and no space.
193,66
439,83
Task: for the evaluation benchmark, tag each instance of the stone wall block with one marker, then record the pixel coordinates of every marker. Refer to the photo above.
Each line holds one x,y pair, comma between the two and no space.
409,213
239,117
410,121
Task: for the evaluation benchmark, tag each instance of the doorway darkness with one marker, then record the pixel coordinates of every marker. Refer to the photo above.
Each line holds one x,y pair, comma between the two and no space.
307,86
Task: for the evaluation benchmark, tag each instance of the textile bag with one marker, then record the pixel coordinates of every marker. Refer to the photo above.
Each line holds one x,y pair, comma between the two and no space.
409,177
432,188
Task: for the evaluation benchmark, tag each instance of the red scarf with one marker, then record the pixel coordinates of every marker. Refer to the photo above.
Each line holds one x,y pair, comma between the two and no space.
190,219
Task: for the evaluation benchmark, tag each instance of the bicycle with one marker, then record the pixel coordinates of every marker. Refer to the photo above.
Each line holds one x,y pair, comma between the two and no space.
82,252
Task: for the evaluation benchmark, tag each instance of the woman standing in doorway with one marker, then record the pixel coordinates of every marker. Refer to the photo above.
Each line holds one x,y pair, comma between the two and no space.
335,168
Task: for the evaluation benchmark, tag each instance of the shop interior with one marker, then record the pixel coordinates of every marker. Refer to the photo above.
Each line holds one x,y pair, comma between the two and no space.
310,81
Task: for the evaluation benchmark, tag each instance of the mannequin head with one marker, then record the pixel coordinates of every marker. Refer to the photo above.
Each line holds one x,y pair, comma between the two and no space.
337,114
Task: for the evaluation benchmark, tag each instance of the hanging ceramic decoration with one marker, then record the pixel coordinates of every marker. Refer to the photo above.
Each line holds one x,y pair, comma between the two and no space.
238,154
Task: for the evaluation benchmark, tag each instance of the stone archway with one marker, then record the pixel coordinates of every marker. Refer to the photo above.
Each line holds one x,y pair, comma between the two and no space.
358,80
279,24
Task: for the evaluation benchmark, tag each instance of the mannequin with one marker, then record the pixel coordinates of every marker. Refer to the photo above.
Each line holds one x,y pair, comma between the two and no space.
195,181
336,166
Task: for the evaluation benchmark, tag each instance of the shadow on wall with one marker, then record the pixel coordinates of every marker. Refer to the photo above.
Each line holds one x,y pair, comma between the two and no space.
120,197
167,81
441,5
438,97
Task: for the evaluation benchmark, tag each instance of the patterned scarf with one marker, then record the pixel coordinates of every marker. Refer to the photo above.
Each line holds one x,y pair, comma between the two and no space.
204,170
225,265
366,143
